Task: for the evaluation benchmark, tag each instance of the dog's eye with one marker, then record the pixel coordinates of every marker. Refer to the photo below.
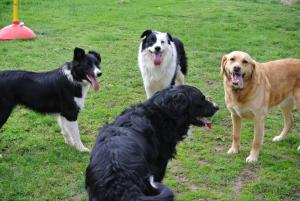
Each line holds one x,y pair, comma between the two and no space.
232,59
162,42
245,62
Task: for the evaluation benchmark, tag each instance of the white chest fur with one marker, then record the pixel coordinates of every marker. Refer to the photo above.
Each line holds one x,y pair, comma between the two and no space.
158,75
84,91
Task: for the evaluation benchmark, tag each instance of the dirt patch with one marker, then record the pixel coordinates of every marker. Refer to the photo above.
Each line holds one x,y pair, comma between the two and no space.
176,169
181,179
206,199
76,197
203,162
194,188
218,148
288,2
247,175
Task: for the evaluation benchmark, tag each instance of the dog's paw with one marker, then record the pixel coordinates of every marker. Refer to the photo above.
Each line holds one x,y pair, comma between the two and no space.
251,159
233,150
277,138
84,149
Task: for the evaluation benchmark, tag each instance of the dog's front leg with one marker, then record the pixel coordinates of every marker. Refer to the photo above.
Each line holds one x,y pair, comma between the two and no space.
258,138
71,132
236,133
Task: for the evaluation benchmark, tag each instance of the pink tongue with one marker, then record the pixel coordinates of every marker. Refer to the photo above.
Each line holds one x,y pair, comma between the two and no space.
209,125
238,79
206,122
94,82
157,58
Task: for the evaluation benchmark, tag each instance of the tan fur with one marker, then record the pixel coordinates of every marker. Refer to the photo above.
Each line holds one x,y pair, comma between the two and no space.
274,83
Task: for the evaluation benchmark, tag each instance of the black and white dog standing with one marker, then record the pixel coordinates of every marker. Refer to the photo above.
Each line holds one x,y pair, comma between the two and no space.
61,91
162,61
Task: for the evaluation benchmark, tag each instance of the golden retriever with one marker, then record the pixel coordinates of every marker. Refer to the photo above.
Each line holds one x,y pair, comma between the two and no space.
252,88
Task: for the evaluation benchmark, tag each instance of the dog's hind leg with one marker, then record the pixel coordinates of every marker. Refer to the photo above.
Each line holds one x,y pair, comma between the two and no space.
286,107
71,132
5,110
297,104
179,77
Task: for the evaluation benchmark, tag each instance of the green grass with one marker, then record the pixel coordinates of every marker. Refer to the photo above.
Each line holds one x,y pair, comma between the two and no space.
37,165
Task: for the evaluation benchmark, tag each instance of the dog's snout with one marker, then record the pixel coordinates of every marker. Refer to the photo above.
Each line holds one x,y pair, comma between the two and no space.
236,69
216,106
157,48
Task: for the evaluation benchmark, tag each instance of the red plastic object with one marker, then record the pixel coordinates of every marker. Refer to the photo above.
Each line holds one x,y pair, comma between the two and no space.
17,30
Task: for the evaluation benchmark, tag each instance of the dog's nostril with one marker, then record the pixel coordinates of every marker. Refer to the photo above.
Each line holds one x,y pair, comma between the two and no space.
236,69
99,74
157,48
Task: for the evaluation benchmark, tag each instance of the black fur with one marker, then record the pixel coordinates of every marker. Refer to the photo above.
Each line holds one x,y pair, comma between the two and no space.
47,92
139,144
149,38
181,56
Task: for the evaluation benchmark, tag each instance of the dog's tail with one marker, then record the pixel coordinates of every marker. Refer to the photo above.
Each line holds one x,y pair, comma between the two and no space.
165,194
182,59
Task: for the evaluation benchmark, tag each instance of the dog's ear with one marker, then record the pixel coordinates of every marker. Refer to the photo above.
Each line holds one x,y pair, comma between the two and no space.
179,102
146,33
223,63
172,103
95,54
253,63
170,38
257,73
78,54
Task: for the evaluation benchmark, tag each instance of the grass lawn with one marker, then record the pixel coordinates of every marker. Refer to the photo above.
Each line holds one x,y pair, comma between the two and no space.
36,164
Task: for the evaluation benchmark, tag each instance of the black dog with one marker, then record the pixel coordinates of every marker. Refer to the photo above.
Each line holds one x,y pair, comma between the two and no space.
137,146
61,91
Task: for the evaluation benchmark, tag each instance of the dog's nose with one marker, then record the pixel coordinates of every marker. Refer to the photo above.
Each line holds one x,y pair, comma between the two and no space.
157,48
99,74
236,69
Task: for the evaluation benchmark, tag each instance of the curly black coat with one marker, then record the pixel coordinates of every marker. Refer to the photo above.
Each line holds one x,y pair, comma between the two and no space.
139,143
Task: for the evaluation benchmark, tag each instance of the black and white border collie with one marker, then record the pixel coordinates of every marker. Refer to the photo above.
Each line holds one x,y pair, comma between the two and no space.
61,91
162,61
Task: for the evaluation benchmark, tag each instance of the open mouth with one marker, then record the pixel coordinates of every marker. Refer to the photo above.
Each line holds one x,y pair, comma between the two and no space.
157,58
94,82
238,79
203,121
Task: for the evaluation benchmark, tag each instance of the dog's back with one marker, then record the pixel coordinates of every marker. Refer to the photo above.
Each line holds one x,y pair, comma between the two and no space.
39,91
283,78
118,169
